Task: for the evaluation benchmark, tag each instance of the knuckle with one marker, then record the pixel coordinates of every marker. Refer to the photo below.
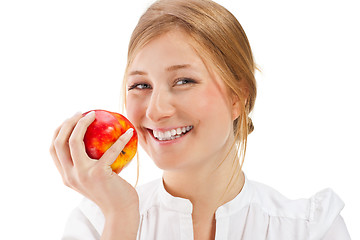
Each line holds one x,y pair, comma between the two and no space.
52,149
112,151
73,141
66,183
69,181
121,143
58,142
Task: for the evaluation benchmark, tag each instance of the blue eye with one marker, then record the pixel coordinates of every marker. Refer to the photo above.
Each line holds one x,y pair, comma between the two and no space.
139,86
183,81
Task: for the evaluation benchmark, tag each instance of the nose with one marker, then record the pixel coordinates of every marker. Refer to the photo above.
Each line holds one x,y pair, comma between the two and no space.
160,105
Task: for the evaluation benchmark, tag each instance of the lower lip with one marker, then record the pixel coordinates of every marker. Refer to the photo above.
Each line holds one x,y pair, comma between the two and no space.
167,142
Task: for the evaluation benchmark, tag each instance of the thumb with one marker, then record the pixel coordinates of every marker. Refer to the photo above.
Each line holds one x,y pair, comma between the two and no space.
113,152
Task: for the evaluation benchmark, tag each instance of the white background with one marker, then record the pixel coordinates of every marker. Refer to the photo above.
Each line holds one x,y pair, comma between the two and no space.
60,57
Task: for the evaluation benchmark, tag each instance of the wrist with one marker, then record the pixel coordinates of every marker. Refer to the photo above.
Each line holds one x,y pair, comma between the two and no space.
121,226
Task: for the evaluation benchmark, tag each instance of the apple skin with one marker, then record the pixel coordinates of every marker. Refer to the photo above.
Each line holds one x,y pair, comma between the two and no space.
104,131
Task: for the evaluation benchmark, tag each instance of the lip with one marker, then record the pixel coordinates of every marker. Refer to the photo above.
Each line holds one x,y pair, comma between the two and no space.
166,129
167,142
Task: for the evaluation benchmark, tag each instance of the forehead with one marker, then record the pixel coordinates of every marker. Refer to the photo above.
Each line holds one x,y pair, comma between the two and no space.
174,47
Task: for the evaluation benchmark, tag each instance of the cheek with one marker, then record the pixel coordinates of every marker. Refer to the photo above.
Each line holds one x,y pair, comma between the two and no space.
215,117
134,109
214,127
211,102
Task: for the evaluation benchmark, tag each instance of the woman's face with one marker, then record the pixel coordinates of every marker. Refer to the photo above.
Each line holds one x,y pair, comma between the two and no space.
182,112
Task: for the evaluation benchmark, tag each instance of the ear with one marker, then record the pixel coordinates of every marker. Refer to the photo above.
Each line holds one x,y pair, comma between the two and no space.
239,103
236,106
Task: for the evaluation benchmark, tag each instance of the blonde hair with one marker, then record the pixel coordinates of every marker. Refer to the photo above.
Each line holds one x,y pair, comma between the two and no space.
223,45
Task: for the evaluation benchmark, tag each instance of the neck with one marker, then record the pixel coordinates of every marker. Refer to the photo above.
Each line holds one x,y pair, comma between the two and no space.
207,187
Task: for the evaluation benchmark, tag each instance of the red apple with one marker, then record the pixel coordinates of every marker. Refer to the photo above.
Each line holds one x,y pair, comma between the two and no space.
104,131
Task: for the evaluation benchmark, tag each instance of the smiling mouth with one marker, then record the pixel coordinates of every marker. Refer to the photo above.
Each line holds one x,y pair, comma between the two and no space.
171,134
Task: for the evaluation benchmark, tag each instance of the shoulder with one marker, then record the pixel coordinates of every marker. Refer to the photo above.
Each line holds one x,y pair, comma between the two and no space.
317,212
325,208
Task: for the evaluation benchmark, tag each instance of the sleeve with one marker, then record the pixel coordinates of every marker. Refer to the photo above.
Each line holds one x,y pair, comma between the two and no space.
78,227
337,230
86,222
324,216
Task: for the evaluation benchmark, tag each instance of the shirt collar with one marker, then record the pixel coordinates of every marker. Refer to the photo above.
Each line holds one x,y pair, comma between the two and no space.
239,202
177,204
184,206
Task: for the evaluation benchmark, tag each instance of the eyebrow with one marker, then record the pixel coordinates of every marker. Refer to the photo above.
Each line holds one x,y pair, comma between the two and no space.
176,67
137,73
169,69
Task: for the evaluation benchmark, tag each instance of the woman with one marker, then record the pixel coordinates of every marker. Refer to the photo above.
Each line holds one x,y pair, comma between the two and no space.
189,87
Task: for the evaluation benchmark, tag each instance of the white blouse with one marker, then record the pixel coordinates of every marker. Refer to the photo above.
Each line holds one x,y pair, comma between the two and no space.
257,212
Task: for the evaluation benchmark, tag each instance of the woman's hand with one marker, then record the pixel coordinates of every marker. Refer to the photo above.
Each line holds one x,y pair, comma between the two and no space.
93,178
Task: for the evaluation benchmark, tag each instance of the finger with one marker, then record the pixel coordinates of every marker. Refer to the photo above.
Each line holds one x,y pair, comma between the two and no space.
61,142
58,165
76,141
113,152
53,152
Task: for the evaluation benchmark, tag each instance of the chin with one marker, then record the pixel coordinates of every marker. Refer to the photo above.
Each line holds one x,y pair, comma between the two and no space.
170,163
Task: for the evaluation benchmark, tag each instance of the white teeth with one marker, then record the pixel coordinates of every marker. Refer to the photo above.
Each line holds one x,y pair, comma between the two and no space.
178,131
167,134
172,134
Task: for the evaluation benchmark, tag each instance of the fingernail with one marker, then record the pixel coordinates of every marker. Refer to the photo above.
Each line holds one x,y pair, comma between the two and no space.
91,114
130,130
